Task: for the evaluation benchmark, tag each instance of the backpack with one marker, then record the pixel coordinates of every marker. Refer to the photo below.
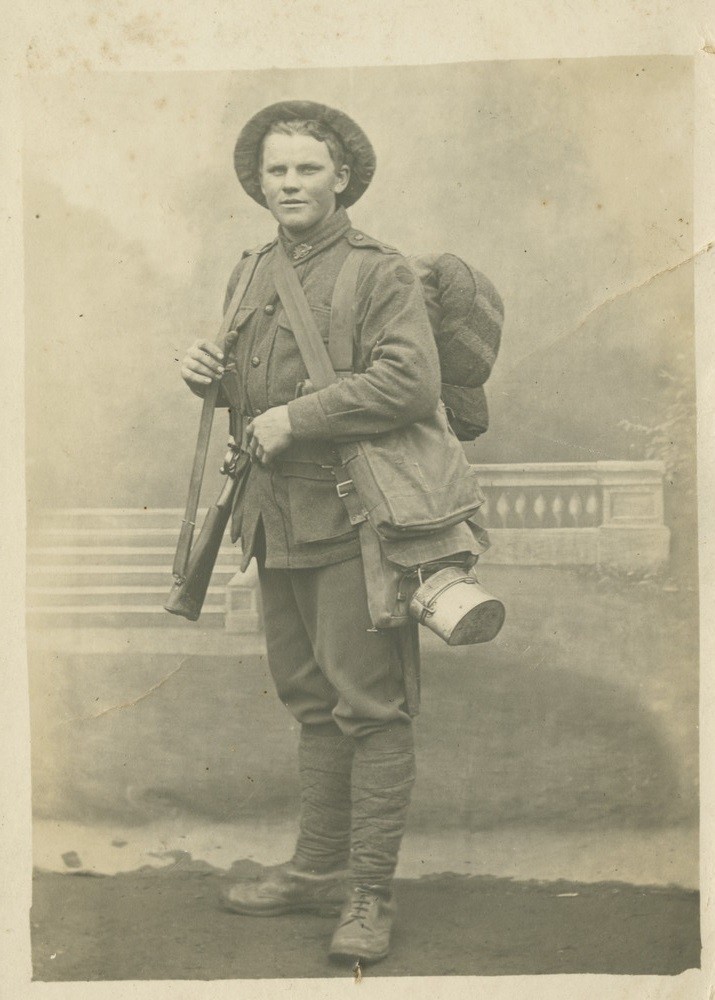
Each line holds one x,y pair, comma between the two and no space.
466,313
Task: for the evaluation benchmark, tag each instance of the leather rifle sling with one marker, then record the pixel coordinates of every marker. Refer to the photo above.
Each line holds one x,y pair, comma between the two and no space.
322,373
183,547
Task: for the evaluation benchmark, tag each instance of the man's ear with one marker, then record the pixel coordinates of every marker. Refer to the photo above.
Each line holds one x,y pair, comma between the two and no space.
343,179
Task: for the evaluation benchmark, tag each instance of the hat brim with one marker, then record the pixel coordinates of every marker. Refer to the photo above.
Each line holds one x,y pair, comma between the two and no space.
248,145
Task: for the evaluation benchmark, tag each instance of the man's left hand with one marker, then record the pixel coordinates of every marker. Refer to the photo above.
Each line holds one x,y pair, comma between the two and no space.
269,434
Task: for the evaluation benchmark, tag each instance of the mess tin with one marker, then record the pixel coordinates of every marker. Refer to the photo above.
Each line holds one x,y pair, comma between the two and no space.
453,604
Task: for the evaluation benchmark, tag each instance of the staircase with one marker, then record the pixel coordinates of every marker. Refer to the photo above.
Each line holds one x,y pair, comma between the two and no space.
96,567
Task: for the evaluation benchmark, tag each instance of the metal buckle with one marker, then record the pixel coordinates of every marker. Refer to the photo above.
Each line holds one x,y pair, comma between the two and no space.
343,488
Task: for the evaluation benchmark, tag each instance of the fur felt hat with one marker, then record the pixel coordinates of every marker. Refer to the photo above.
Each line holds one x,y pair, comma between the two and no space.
357,145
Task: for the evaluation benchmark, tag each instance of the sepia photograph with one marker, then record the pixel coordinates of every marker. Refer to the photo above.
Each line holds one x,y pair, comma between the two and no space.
362,535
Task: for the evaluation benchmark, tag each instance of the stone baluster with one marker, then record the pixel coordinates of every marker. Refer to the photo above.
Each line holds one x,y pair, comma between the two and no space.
557,509
592,507
575,508
503,509
520,508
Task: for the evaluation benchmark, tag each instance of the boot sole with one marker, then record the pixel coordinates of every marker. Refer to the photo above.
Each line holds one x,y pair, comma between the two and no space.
350,958
279,910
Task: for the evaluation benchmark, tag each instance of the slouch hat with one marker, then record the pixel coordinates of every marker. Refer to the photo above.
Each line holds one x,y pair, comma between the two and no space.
357,145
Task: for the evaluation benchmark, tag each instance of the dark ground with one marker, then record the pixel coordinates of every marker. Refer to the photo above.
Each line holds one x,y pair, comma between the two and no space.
166,924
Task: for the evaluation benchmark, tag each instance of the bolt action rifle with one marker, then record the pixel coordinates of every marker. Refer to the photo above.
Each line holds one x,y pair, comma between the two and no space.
193,567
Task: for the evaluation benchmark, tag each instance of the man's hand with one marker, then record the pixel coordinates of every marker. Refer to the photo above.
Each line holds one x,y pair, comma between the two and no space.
202,365
269,434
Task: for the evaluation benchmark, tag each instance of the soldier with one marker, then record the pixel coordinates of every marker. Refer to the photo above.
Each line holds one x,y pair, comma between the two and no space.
341,679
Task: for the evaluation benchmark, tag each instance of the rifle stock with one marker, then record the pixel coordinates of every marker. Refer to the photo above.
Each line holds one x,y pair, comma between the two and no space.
188,594
183,548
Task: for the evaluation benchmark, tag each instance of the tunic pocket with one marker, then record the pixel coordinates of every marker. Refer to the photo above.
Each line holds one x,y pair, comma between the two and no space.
316,511
243,314
321,315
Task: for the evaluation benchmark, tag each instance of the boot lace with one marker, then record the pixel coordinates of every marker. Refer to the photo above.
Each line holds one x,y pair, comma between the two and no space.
360,903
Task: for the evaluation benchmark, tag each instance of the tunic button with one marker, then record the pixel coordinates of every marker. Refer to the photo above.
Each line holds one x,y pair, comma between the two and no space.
269,309
255,361
257,412
358,236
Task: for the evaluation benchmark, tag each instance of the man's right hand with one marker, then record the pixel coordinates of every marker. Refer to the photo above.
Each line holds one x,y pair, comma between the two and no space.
202,364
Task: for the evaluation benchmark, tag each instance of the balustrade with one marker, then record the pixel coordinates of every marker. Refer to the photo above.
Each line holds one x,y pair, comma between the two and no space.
541,507
561,513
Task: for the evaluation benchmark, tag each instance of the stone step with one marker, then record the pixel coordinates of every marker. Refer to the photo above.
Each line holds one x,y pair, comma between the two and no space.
110,517
112,568
82,616
136,535
78,575
116,595
118,555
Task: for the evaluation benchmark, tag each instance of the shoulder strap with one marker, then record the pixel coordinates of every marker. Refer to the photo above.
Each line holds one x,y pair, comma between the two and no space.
259,251
310,344
343,313
321,372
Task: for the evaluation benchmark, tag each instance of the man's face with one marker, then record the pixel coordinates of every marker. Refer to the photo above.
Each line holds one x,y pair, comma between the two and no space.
300,181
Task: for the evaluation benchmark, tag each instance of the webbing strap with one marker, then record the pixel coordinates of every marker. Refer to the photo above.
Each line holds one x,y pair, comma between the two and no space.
343,313
305,330
315,358
322,373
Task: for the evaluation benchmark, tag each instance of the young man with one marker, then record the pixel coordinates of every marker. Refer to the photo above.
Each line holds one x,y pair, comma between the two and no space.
340,678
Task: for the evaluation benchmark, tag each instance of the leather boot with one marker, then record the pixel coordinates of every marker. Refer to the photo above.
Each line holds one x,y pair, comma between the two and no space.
382,779
363,931
287,890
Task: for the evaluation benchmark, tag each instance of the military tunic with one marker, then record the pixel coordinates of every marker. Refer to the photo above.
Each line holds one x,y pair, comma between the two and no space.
395,382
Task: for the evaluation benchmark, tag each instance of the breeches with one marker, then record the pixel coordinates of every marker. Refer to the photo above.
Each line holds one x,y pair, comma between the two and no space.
326,664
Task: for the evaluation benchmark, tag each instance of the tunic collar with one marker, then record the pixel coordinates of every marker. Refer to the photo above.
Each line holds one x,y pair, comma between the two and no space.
312,241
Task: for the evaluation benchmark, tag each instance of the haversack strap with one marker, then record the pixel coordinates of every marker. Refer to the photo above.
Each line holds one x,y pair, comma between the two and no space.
315,358
305,330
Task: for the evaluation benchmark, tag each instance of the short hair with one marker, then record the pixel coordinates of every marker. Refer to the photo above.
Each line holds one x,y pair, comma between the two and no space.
308,126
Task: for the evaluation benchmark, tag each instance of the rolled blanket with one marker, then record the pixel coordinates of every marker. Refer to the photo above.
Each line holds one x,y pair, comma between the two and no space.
466,313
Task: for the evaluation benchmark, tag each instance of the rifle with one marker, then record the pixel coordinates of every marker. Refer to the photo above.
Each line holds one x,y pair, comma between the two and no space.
192,569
